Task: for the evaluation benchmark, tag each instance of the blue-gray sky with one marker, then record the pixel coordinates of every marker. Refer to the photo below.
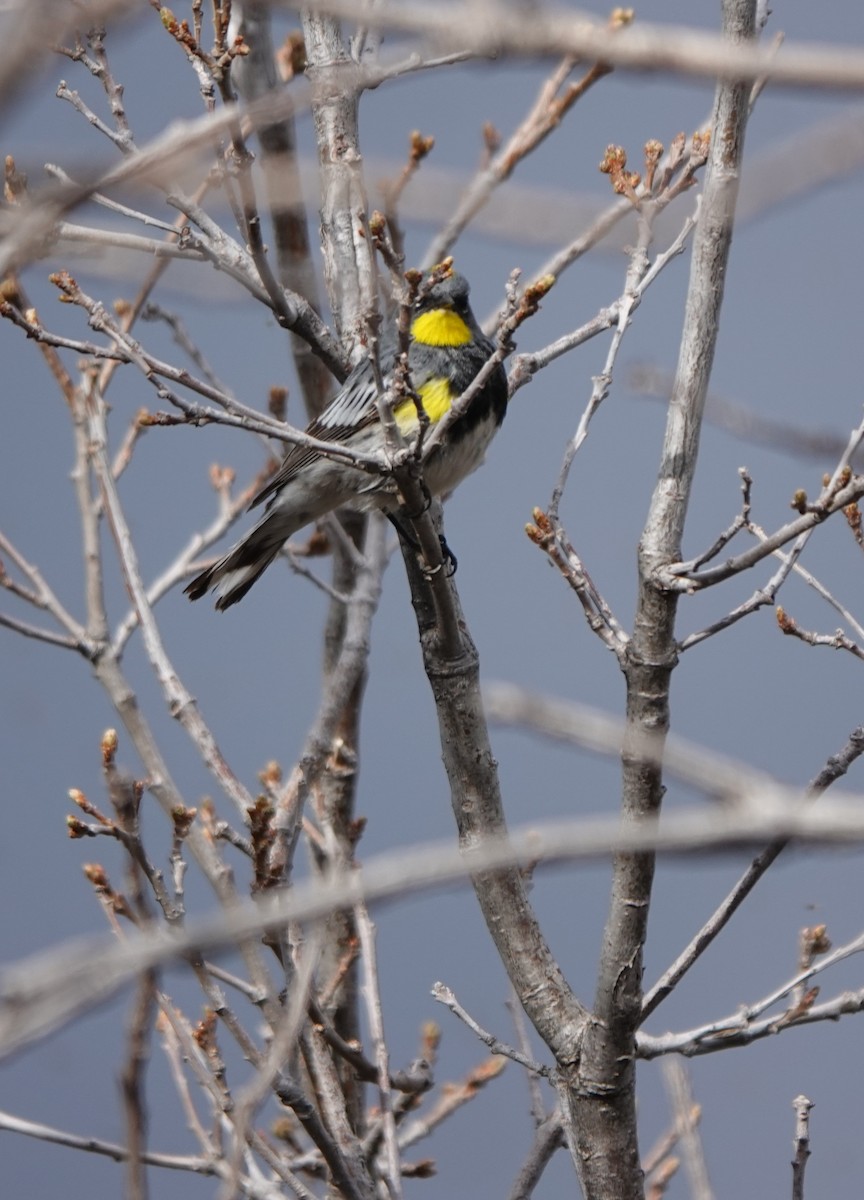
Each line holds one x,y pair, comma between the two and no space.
790,348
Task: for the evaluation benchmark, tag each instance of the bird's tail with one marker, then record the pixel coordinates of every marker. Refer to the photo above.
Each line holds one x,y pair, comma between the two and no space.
232,576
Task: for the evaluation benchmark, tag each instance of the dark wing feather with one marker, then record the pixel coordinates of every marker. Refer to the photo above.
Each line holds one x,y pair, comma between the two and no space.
351,410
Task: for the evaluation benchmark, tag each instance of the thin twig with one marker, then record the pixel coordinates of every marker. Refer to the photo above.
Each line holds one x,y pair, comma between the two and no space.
678,1088
802,1108
180,701
44,598
280,1051
132,1085
548,110
548,1138
200,1165
392,1160
33,1000
41,635
453,1097
517,1014
445,995
835,768
643,47
743,1025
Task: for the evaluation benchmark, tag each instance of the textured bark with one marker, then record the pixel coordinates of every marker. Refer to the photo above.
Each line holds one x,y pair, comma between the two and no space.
475,794
601,1094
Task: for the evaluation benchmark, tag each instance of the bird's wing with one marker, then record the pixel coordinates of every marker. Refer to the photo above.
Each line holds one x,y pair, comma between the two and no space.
351,410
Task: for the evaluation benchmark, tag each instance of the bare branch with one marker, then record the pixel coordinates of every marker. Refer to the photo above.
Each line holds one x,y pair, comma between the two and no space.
830,502
605,1128
802,1108
641,47
392,1166
43,597
39,635
553,102
517,1013
548,1138
733,1032
744,421
33,1002
201,1165
445,995
454,1095
834,769
180,701
255,76
719,777
279,1052
132,1085
678,1088
836,641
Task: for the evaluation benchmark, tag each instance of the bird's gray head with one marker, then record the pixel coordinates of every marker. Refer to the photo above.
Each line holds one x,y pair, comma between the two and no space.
449,292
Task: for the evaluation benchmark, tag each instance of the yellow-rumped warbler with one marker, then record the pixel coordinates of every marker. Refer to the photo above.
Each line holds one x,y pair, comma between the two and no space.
446,351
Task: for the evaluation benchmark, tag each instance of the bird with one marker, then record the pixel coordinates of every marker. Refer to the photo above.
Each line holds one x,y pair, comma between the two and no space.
446,350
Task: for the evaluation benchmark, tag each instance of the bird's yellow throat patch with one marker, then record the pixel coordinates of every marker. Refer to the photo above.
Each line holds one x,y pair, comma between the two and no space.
437,396
440,327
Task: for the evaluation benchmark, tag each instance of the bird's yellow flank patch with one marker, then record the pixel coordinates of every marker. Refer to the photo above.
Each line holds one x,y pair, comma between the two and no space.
440,327
437,396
